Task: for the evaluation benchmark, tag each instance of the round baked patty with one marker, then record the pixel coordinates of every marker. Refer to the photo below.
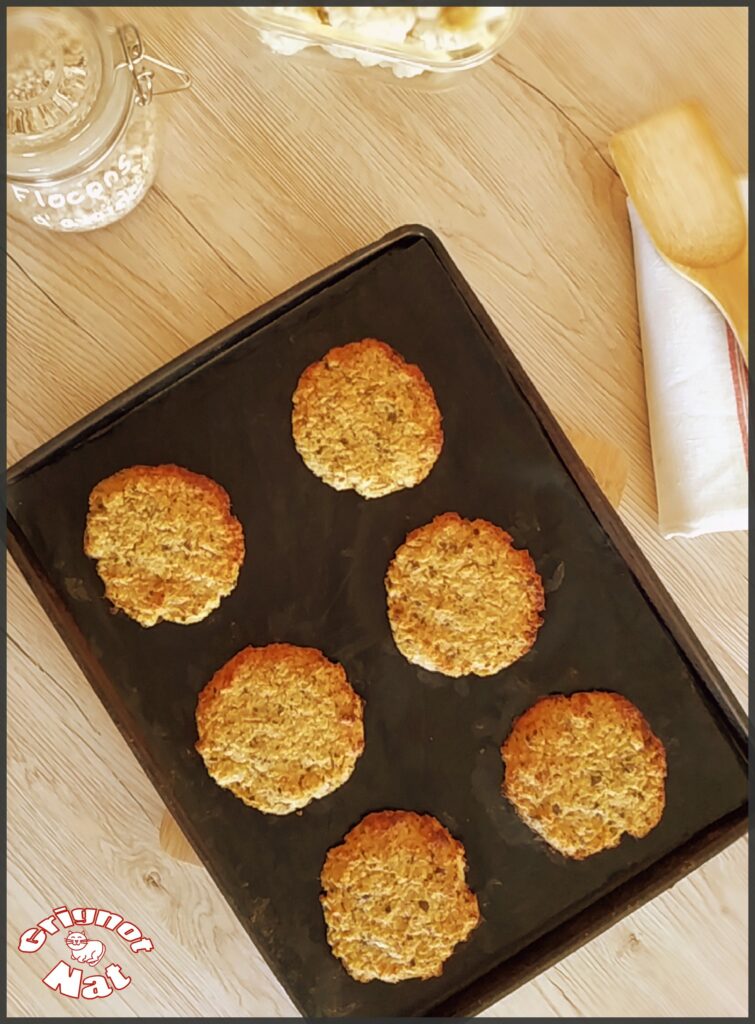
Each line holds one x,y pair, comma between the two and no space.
280,726
395,899
462,599
166,543
583,770
364,419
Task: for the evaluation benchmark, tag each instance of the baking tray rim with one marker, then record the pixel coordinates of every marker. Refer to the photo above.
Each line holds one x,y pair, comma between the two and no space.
596,917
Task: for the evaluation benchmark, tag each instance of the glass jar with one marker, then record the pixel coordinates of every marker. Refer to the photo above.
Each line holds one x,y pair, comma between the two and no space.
429,43
82,131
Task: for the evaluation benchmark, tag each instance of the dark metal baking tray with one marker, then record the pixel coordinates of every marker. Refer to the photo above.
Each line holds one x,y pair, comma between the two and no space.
313,575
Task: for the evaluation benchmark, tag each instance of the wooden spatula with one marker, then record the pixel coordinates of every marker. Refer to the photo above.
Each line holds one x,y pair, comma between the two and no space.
686,194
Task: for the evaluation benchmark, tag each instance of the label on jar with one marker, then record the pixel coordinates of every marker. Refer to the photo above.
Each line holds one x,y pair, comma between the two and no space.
100,196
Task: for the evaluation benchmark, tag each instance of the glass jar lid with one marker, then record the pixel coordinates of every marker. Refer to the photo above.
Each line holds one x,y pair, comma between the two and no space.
54,71
66,101
72,81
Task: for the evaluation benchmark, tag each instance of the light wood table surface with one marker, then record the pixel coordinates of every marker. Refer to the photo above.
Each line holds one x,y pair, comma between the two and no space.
272,171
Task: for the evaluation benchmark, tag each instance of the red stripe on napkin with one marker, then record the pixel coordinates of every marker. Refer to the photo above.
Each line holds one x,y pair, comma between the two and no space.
740,379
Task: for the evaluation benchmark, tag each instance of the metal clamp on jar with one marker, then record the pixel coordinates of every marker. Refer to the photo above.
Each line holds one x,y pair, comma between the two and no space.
82,130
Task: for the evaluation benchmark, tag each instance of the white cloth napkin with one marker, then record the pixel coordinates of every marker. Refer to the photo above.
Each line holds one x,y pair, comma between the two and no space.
696,385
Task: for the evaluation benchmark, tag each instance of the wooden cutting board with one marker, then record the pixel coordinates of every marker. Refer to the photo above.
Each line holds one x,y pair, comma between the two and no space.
607,463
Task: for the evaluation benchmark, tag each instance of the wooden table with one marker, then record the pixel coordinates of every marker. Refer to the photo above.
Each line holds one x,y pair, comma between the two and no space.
272,171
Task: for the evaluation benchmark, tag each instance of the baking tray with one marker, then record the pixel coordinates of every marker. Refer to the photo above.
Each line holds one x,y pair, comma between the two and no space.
313,575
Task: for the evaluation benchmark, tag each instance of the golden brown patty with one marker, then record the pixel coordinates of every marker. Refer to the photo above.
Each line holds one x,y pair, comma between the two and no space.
462,599
395,898
166,544
583,770
365,420
280,726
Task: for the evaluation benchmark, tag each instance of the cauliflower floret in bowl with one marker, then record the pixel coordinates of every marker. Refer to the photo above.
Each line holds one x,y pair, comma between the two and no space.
407,40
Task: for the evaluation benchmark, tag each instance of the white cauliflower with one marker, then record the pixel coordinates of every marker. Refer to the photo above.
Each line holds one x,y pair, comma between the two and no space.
377,24
438,32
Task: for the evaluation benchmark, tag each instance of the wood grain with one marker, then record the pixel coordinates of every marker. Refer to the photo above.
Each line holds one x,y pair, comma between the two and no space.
272,170
607,463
